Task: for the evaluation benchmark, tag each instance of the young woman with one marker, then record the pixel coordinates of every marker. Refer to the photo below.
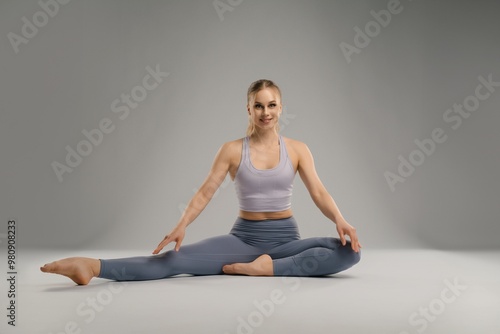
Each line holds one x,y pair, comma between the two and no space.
264,240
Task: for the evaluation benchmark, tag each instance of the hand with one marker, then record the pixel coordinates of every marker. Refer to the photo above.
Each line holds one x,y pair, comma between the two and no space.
176,235
344,228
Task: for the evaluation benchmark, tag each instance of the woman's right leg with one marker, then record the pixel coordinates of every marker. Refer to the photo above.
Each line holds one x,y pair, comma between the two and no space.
206,257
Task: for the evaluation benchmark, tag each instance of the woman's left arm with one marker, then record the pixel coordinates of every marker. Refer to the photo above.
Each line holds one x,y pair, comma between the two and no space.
321,197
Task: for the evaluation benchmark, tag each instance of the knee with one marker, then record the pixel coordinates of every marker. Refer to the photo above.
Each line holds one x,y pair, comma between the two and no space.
346,251
351,256
356,257
334,261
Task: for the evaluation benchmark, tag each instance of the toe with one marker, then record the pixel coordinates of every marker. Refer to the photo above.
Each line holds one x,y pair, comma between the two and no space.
45,268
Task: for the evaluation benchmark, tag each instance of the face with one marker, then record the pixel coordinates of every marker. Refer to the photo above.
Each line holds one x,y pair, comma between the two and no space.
265,108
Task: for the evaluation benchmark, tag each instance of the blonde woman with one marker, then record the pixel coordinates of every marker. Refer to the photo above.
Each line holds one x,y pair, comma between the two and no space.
264,240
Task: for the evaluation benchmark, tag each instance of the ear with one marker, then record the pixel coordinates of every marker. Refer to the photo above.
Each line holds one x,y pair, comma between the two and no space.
248,109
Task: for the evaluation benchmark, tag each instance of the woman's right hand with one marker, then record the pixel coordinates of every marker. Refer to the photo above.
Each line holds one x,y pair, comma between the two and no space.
176,235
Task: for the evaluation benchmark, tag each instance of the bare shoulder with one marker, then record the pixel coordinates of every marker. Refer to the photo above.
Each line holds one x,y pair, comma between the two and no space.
297,147
298,152
231,149
230,152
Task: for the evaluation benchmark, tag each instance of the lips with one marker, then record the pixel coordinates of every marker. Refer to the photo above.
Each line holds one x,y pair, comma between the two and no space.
265,120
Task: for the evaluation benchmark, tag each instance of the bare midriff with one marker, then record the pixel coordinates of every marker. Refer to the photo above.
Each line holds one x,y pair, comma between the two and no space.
265,215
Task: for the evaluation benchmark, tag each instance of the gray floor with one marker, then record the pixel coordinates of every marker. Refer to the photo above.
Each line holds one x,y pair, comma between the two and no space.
389,291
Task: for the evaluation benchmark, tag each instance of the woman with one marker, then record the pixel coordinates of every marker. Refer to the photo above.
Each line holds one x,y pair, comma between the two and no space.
264,240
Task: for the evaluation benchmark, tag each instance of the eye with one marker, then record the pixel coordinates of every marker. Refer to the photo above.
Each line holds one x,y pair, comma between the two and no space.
258,106
272,105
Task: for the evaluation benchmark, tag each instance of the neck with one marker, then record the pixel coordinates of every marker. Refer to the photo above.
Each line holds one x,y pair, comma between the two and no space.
265,137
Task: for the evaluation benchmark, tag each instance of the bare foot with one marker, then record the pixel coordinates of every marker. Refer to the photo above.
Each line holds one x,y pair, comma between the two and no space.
80,269
261,266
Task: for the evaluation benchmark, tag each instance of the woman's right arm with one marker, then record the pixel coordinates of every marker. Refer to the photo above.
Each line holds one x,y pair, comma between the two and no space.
216,176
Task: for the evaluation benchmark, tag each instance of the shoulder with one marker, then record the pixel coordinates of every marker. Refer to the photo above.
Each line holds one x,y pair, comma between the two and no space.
296,146
231,149
299,153
233,145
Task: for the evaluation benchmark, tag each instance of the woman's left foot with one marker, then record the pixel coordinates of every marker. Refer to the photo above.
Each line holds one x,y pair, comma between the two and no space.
261,266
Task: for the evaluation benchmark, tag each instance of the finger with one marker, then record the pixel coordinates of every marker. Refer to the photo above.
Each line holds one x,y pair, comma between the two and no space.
342,237
162,244
354,242
355,247
157,250
178,243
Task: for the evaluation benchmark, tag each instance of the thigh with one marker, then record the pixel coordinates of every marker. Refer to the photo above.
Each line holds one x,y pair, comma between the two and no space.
219,248
295,247
205,257
208,256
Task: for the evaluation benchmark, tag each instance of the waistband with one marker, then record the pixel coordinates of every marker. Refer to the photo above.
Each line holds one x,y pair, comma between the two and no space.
270,232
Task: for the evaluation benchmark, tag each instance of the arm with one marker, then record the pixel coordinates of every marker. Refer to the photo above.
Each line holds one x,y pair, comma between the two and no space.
322,198
197,204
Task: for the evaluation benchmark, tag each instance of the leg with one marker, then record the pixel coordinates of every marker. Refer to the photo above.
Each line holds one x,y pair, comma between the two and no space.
306,257
206,257
313,257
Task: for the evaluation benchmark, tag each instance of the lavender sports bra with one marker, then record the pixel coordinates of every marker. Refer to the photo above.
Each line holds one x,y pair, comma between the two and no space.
264,190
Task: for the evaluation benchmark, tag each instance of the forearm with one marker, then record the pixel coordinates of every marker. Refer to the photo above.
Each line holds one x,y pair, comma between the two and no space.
327,206
195,206
202,197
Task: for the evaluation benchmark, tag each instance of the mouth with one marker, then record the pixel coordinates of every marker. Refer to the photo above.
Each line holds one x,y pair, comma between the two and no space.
266,120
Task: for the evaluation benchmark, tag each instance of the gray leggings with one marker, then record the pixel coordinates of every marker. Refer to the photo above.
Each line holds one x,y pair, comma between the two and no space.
248,239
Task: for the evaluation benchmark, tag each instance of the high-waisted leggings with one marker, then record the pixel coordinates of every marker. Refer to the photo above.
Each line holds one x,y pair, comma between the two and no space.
247,240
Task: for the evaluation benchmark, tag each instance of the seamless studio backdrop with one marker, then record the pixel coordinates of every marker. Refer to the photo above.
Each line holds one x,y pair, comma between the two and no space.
398,102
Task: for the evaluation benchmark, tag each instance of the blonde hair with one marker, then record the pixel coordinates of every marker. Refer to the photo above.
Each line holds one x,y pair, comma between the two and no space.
254,88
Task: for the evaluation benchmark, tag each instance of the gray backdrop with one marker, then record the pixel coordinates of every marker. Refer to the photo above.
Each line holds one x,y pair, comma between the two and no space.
359,87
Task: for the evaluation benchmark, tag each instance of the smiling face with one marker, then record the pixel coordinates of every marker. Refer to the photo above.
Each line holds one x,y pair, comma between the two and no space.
264,109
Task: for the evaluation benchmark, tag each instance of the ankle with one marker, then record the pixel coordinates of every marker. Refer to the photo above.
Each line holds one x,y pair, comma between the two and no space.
96,267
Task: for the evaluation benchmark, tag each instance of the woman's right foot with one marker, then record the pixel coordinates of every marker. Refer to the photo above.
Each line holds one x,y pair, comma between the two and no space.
79,269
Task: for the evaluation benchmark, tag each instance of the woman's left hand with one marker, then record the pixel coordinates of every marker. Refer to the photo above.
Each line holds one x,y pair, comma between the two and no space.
344,228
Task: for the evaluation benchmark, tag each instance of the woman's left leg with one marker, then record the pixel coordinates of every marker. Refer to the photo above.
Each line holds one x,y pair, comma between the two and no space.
285,254
312,257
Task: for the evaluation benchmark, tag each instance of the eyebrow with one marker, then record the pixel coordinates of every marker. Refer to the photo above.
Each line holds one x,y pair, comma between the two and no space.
273,101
